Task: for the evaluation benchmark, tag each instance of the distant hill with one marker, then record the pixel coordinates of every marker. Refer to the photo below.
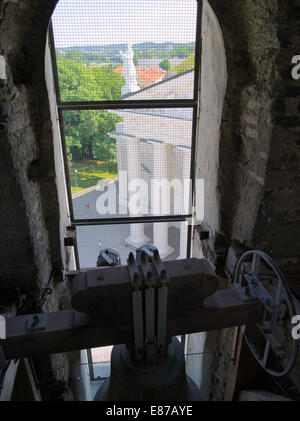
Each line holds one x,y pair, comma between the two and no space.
142,46
150,45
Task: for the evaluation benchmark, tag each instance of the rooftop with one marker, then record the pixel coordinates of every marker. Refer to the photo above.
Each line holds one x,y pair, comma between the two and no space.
144,73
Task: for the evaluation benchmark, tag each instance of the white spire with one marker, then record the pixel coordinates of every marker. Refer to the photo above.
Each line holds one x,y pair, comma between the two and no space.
129,71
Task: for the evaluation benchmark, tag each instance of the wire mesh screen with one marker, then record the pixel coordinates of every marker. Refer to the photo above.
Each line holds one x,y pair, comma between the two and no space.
101,361
101,370
129,162
169,238
114,49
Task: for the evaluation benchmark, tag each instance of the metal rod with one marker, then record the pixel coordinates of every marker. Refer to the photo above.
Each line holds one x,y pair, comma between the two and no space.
189,240
162,318
198,49
137,306
193,154
69,331
54,63
162,282
149,281
130,220
66,165
127,104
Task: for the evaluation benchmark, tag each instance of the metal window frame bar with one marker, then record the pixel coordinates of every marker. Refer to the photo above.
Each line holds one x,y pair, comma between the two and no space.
127,104
131,104
131,220
54,63
91,367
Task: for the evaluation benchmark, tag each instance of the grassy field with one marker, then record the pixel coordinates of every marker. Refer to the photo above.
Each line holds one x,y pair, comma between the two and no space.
89,173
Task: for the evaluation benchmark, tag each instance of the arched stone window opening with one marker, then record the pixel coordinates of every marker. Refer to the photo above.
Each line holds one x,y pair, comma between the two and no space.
125,163
149,139
258,163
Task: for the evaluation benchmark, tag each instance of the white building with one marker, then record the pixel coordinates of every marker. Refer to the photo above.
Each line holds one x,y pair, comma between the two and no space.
155,144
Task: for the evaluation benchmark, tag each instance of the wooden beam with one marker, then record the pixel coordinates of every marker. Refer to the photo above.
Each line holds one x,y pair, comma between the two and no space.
70,330
100,291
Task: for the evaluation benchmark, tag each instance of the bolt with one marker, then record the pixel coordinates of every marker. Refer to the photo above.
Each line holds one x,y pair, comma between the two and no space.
35,321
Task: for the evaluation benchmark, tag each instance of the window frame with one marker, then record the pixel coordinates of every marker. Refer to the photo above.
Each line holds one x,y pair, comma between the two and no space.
91,367
193,104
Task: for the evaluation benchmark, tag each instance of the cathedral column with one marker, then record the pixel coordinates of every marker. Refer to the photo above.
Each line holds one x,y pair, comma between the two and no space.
183,240
136,237
121,146
160,229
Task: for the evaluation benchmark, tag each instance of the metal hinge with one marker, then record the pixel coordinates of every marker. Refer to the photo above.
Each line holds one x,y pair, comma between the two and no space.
69,240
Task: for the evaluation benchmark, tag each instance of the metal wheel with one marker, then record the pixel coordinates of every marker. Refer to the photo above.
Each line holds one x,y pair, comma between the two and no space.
270,340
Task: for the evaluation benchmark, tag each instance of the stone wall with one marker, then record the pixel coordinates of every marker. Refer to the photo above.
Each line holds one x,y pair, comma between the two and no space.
259,142
259,154
29,211
277,228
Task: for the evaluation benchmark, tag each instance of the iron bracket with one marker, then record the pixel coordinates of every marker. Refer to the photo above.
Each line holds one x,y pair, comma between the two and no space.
162,282
36,322
137,306
149,282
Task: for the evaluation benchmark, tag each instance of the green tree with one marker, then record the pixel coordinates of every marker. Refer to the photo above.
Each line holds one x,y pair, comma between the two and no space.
187,64
87,135
165,65
183,51
59,54
87,131
74,55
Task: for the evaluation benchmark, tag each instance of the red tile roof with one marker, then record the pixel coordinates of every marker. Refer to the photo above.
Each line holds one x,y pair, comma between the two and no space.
149,74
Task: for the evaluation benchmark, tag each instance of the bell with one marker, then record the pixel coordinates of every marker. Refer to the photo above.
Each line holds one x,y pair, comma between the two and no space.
162,380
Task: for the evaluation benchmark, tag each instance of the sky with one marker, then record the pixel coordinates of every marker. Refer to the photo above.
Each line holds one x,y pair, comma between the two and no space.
100,22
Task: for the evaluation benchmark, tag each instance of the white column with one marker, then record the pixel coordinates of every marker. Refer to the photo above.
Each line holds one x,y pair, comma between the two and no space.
121,146
160,229
183,240
136,237
161,238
